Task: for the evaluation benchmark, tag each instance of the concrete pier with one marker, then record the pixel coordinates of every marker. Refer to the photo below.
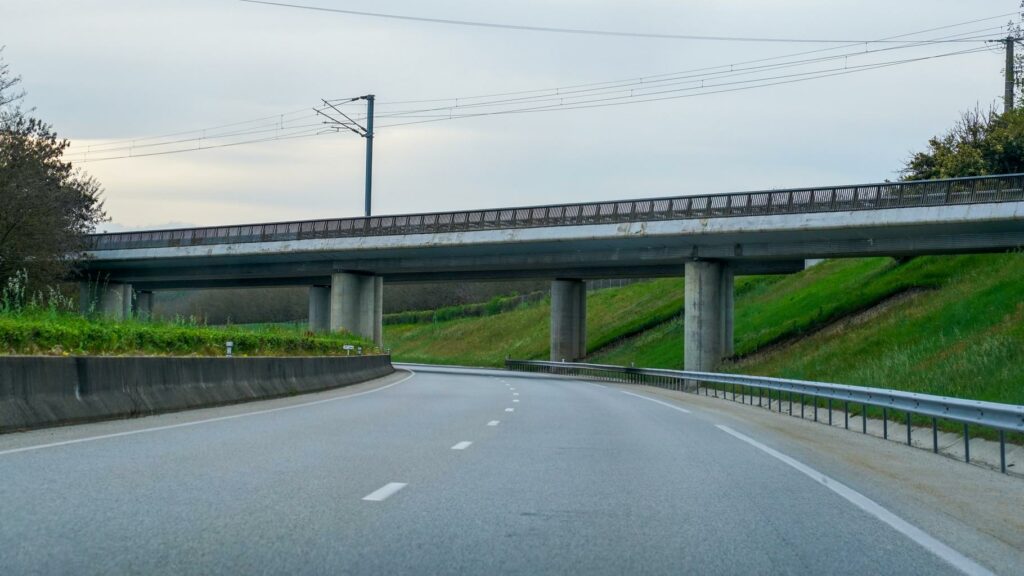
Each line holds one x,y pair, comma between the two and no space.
726,300
144,305
109,299
319,308
702,316
568,320
356,304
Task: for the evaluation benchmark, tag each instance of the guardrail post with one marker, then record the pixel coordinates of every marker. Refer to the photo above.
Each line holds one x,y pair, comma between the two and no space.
864,418
935,435
908,430
885,423
1002,451
967,443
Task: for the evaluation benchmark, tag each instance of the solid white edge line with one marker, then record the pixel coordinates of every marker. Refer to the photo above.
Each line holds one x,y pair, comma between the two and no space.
493,422
197,422
384,492
462,445
929,543
666,404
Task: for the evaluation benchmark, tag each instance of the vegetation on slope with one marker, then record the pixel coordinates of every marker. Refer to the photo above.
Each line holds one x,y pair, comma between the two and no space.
43,332
525,332
46,323
946,325
956,331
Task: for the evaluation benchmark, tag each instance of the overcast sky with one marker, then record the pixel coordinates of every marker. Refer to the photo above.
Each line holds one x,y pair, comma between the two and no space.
119,69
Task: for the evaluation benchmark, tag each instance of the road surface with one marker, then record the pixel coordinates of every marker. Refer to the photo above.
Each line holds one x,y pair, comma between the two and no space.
442,472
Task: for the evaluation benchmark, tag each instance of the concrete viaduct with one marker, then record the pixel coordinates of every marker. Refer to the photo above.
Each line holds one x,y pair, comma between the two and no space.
707,239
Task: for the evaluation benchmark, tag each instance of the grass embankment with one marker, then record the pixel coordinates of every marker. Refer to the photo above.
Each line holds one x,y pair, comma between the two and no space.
943,325
65,333
955,327
525,332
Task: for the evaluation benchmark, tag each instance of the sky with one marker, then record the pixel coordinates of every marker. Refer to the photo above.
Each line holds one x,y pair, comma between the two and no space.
112,70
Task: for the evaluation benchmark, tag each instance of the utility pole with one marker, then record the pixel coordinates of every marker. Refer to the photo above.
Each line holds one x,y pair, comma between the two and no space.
369,145
1008,88
357,128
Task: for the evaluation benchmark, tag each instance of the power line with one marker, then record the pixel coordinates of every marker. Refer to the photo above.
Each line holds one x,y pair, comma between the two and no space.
559,30
641,84
710,70
657,96
280,118
568,97
306,133
593,103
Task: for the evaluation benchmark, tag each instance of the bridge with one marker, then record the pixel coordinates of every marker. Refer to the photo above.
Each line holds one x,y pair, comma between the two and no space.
707,239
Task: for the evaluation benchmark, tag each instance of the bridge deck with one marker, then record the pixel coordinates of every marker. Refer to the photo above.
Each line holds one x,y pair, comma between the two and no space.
880,196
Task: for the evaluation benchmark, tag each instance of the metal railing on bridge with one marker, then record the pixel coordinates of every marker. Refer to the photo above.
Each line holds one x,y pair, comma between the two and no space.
1001,417
1004,188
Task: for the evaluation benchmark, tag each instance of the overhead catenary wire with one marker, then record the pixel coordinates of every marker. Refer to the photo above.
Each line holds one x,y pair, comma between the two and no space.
274,118
306,133
593,103
560,30
721,71
637,85
640,89
720,66
765,82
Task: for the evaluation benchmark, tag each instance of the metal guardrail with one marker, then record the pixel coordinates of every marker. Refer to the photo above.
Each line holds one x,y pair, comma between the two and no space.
1001,417
1004,188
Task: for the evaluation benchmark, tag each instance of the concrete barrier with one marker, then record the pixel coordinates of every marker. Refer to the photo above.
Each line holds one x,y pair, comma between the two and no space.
39,391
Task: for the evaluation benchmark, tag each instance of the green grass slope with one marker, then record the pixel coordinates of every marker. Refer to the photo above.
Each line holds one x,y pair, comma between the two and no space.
947,325
525,332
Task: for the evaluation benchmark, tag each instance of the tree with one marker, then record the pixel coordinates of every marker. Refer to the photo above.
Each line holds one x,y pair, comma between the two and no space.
46,206
980,143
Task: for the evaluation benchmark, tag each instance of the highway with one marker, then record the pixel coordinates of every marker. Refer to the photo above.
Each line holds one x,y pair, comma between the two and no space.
482,472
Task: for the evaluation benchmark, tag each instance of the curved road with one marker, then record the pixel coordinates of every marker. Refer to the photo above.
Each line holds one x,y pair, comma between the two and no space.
434,473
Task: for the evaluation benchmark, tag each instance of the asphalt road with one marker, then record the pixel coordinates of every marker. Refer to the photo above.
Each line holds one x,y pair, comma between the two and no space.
439,473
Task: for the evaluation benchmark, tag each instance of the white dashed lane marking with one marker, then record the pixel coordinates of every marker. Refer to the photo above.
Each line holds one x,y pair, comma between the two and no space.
462,445
493,422
384,492
510,409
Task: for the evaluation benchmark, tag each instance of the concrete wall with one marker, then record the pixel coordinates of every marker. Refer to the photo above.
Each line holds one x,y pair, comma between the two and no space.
38,391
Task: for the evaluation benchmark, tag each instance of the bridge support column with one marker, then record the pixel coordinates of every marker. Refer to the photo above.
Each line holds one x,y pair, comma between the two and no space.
703,337
727,303
357,304
568,320
144,305
111,299
319,308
